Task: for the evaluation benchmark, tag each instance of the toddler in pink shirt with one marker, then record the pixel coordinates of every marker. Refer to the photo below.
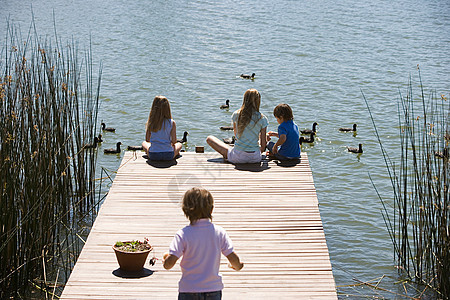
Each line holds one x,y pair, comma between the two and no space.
201,243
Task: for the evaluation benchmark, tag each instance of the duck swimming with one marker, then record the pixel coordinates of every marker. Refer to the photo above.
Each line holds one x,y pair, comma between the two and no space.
110,129
112,150
226,105
303,139
91,146
309,131
230,140
443,154
348,129
226,128
135,148
246,76
184,139
355,150
100,138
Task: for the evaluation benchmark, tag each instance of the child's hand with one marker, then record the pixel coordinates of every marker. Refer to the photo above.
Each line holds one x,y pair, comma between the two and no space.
165,255
271,133
234,262
237,268
275,149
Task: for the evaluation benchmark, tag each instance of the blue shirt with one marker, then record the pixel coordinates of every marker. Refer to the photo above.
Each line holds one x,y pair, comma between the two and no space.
291,147
249,139
161,141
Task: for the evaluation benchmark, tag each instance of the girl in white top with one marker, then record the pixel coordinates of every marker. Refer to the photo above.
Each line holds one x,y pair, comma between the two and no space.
249,127
161,134
200,244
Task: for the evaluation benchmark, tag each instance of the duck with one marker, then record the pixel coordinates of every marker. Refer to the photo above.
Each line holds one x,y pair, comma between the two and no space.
348,129
184,139
110,129
355,150
93,145
443,154
226,128
226,105
230,140
309,131
112,150
303,139
99,139
246,76
135,148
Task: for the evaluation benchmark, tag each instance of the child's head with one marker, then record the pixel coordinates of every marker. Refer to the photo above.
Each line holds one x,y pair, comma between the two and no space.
283,111
250,104
160,111
252,100
198,203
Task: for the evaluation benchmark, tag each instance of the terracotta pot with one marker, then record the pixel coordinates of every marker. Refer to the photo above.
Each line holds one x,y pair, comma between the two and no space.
131,261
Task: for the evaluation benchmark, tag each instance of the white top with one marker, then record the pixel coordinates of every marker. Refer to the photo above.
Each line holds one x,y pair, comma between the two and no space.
200,245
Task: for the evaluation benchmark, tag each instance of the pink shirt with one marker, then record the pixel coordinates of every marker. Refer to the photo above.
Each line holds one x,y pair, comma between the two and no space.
200,245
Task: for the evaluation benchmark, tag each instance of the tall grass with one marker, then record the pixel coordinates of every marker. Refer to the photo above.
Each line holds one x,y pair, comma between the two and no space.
48,111
419,220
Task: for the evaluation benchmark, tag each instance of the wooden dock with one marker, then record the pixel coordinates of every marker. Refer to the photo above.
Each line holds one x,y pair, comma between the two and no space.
269,211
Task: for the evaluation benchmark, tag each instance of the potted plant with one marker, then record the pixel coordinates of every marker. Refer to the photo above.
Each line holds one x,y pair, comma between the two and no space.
131,255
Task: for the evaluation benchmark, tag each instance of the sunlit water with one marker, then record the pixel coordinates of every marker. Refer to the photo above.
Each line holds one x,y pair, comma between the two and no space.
318,56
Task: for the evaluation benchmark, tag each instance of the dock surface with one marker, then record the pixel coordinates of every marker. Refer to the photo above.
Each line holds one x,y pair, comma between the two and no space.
270,212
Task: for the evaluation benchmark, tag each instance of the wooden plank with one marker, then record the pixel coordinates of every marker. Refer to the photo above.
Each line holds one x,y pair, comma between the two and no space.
270,212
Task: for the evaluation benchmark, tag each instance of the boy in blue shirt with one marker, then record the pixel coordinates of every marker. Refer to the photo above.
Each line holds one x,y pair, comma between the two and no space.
287,147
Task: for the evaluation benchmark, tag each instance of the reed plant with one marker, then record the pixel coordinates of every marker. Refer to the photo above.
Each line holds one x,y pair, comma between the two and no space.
418,221
49,101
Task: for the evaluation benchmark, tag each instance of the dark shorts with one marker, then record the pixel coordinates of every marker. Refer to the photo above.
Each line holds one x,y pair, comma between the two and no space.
200,296
161,155
278,156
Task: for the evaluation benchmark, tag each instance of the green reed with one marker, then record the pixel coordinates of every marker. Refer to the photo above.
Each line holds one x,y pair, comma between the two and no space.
49,101
419,219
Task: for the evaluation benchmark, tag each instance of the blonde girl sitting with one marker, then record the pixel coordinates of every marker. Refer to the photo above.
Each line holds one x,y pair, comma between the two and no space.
161,134
249,127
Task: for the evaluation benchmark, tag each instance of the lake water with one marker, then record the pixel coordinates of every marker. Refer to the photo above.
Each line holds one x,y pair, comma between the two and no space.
318,56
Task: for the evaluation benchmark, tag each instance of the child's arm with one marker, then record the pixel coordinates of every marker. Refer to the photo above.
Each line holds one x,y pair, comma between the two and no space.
173,133
234,261
169,261
281,140
262,140
272,133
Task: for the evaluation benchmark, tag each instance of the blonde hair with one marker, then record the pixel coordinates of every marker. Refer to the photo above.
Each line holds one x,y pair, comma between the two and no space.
198,203
158,113
250,104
